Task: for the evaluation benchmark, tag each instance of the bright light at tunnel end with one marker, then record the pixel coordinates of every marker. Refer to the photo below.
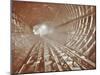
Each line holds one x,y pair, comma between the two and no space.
41,29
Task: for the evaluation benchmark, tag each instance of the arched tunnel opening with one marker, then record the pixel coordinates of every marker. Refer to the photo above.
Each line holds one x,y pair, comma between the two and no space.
50,37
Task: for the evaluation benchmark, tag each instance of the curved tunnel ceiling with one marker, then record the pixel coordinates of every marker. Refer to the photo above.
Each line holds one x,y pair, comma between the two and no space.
50,37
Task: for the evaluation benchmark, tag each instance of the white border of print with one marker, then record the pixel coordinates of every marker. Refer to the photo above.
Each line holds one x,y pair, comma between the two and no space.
89,2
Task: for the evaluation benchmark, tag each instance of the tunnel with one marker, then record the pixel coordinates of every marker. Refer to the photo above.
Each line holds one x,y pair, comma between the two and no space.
52,37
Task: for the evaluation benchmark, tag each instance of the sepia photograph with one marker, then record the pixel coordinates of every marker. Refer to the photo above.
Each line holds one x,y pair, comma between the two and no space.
52,37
